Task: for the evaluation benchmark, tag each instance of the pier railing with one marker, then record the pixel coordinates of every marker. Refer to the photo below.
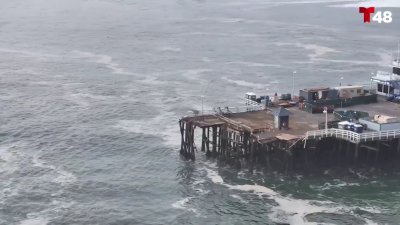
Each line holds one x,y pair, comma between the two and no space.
353,136
225,110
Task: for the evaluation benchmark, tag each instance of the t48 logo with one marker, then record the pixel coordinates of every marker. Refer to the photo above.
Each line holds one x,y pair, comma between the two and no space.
379,16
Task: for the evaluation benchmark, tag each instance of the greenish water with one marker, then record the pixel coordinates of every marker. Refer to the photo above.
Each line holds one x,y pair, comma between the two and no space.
91,92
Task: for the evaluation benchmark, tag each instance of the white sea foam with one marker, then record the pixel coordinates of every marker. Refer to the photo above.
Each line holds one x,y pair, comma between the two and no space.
6,155
317,50
61,176
165,128
237,20
55,207
353,62
375,3
384,61
105,60
198,182
289,210
152,80
170,49
312,2
43,83
194,74
386,58
335,184
32,54
23,71
182,204
214,176
10,156
206,59
239,198
35,221
88,97
243,83
370,222
190,74
201,191
256,64
77,100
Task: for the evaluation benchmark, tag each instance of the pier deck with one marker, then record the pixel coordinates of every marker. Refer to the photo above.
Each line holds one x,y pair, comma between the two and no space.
252,135
261,121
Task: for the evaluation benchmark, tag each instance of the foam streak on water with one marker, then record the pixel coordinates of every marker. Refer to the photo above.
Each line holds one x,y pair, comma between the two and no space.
91,93
294,210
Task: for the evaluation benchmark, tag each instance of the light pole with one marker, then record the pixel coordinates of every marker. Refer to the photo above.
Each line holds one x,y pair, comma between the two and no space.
202,109
341,78
398,54
326,119
370,88
293,84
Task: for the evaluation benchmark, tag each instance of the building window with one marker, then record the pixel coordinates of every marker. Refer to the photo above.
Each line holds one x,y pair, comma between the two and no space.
380,87
391,90
358,91
385,89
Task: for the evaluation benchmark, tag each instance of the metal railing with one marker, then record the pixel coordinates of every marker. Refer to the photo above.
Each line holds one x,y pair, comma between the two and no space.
353,136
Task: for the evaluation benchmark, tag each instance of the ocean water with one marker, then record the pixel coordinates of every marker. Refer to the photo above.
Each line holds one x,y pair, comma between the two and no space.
91,92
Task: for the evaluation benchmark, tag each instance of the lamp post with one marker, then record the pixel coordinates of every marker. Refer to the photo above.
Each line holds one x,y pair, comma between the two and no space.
340,83
293,83
326,119
398,54
202,109
370,89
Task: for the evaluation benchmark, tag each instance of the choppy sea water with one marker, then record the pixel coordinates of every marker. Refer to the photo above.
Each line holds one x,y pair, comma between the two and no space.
91,92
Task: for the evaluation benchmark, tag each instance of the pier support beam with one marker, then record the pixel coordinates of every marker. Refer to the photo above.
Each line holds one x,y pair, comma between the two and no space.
208,142
398,147
357,148
203,140
252,154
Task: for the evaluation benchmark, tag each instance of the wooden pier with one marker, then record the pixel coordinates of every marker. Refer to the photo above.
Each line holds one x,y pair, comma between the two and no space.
252,136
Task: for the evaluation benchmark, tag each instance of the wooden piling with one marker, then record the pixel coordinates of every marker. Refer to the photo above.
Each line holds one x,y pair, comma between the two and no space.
357,147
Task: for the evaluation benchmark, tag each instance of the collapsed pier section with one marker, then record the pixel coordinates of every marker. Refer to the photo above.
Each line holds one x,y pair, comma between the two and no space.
262,137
